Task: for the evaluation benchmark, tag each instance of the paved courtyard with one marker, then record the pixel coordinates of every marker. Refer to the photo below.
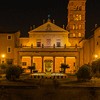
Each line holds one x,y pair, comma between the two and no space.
50,89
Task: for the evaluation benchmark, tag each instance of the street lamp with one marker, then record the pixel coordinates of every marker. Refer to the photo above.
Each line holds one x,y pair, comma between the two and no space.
96,56
3,58
3,55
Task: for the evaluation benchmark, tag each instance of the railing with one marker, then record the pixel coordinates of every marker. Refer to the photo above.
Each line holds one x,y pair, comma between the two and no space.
42,46
48,49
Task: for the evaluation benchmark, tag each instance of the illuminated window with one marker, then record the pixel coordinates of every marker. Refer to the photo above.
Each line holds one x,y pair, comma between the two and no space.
79,34
79,17
73,27
9,37
76,27
80,26
73,34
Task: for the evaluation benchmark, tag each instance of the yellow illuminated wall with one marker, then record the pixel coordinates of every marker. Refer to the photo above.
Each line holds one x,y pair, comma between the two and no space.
71,62
7,41
58,61
27,60
41,33
38,63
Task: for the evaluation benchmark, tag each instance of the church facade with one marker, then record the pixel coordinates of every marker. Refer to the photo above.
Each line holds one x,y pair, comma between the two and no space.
48,46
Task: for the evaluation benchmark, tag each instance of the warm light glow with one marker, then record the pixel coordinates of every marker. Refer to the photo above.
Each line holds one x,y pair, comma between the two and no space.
96,56
3,55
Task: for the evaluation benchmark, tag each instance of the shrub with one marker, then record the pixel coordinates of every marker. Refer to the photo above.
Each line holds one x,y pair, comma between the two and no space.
64,67
84,73
96,68
3,68
13,72
31,68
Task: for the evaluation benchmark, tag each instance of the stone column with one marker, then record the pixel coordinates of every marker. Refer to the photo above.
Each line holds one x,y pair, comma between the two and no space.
42,64
53,64
64,59
31,60
77,64
20,60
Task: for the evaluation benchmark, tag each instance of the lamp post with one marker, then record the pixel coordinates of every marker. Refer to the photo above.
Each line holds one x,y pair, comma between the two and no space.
96,56
3,58
3,55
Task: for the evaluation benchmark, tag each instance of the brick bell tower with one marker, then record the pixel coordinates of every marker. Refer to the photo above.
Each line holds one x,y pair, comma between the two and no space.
76,21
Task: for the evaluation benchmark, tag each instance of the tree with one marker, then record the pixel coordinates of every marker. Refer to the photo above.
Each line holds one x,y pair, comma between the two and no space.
63,67
96,67
3,68
31,68
13,72
84,73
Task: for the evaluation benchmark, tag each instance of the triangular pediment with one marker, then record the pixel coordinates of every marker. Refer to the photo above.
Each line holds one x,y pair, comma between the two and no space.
48,27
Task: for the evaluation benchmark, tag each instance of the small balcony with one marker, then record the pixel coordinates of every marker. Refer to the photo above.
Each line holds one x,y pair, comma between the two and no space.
49,48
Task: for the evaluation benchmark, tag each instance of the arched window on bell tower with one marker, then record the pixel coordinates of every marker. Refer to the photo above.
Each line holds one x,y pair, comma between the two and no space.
74,35
79,34
73,26
80,26
79,17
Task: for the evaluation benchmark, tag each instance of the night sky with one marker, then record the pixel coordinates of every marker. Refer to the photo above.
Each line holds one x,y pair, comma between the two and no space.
20,15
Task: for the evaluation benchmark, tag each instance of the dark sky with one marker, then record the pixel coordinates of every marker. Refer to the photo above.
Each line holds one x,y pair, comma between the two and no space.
19,15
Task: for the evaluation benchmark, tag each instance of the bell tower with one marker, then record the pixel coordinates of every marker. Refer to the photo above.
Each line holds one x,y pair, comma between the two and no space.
76,21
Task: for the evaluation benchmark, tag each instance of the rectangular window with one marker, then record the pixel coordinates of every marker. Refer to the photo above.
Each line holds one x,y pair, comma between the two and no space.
9,49
24,63
79,34
58,43
38,42
73,34
9,37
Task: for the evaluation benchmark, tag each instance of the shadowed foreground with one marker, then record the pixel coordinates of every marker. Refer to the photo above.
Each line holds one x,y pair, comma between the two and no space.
48,89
